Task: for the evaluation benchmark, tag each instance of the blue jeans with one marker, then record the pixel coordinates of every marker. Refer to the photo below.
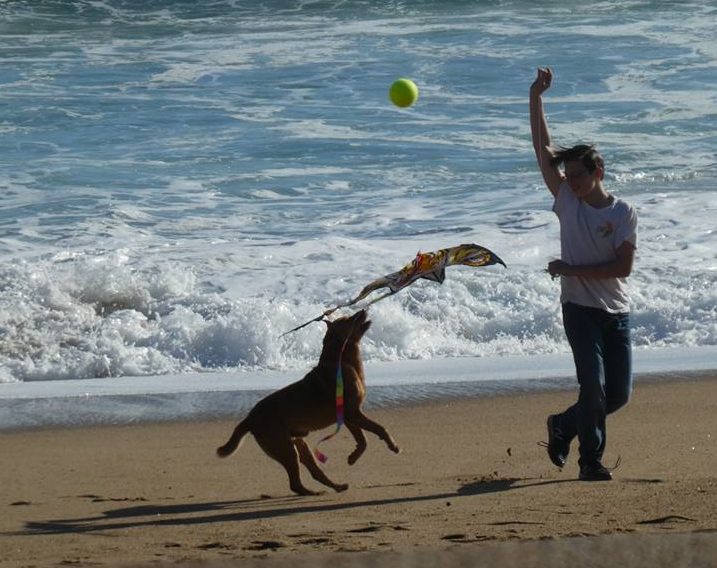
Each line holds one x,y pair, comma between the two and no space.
601,347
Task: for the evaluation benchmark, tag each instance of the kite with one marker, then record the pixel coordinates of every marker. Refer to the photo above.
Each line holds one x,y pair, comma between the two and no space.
428,265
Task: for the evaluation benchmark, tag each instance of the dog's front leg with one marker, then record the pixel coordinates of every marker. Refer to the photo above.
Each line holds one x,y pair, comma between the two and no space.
359,419
360,442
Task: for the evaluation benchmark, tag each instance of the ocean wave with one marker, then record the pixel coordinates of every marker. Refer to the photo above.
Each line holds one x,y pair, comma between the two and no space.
114,315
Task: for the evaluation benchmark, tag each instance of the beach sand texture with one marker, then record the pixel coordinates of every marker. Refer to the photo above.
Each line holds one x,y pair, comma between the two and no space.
470,488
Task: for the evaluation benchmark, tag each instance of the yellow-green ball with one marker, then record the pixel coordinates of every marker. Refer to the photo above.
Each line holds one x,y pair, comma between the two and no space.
403,93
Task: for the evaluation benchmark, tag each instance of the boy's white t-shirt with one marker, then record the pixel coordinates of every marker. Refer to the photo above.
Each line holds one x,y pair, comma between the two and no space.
591,236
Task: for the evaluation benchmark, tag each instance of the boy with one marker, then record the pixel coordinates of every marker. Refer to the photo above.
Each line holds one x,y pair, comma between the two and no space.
598,235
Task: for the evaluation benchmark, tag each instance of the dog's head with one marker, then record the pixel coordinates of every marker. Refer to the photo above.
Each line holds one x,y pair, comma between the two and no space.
347,329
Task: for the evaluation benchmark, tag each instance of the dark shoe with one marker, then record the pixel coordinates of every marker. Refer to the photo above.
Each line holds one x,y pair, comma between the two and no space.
594,472
558,447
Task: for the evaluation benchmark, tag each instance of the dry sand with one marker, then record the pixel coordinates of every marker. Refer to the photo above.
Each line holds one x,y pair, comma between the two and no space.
470,488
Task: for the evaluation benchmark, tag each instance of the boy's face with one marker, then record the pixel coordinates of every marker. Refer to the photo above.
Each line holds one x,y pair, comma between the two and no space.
581,181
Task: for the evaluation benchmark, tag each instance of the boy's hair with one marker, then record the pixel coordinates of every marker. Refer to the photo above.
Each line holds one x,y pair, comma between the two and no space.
585,153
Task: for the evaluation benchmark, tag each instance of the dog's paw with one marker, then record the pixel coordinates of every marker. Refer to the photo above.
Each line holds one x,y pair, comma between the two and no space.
391,444
355,455
341,487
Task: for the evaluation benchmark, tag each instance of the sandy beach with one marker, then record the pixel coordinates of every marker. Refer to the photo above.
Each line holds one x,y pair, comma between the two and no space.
471,487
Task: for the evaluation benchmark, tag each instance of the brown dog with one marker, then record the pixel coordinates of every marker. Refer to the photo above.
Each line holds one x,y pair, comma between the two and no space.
280,421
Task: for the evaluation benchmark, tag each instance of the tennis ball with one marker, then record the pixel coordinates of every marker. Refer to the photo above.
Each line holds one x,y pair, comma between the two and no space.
403,93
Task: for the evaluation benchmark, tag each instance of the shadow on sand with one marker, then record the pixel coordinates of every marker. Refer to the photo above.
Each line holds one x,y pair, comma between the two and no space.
250,509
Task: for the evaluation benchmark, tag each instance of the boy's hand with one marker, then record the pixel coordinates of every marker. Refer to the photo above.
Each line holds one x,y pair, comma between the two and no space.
558,268
542,82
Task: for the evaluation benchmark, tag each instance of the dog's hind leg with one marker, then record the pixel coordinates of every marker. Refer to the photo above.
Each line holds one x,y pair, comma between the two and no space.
280,447
358,418
360,442
307,458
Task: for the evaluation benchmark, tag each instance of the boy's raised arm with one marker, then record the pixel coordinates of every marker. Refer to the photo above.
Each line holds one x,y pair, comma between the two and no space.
540,132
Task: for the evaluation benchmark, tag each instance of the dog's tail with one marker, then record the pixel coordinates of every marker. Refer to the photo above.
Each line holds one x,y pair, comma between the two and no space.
235,441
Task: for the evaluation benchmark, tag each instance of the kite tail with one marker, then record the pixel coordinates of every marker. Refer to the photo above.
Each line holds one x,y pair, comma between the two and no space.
323,458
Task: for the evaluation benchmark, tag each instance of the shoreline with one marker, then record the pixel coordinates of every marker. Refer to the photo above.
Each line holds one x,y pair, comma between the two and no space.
470,482
90,402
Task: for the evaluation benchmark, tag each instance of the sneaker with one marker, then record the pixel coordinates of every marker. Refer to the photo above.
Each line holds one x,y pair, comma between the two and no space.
594,471
558,447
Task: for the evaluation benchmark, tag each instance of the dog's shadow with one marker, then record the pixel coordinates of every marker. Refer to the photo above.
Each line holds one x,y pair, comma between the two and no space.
187,514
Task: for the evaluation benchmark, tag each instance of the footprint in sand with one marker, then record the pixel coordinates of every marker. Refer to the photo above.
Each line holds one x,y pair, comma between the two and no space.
265,545
214,546
317,540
